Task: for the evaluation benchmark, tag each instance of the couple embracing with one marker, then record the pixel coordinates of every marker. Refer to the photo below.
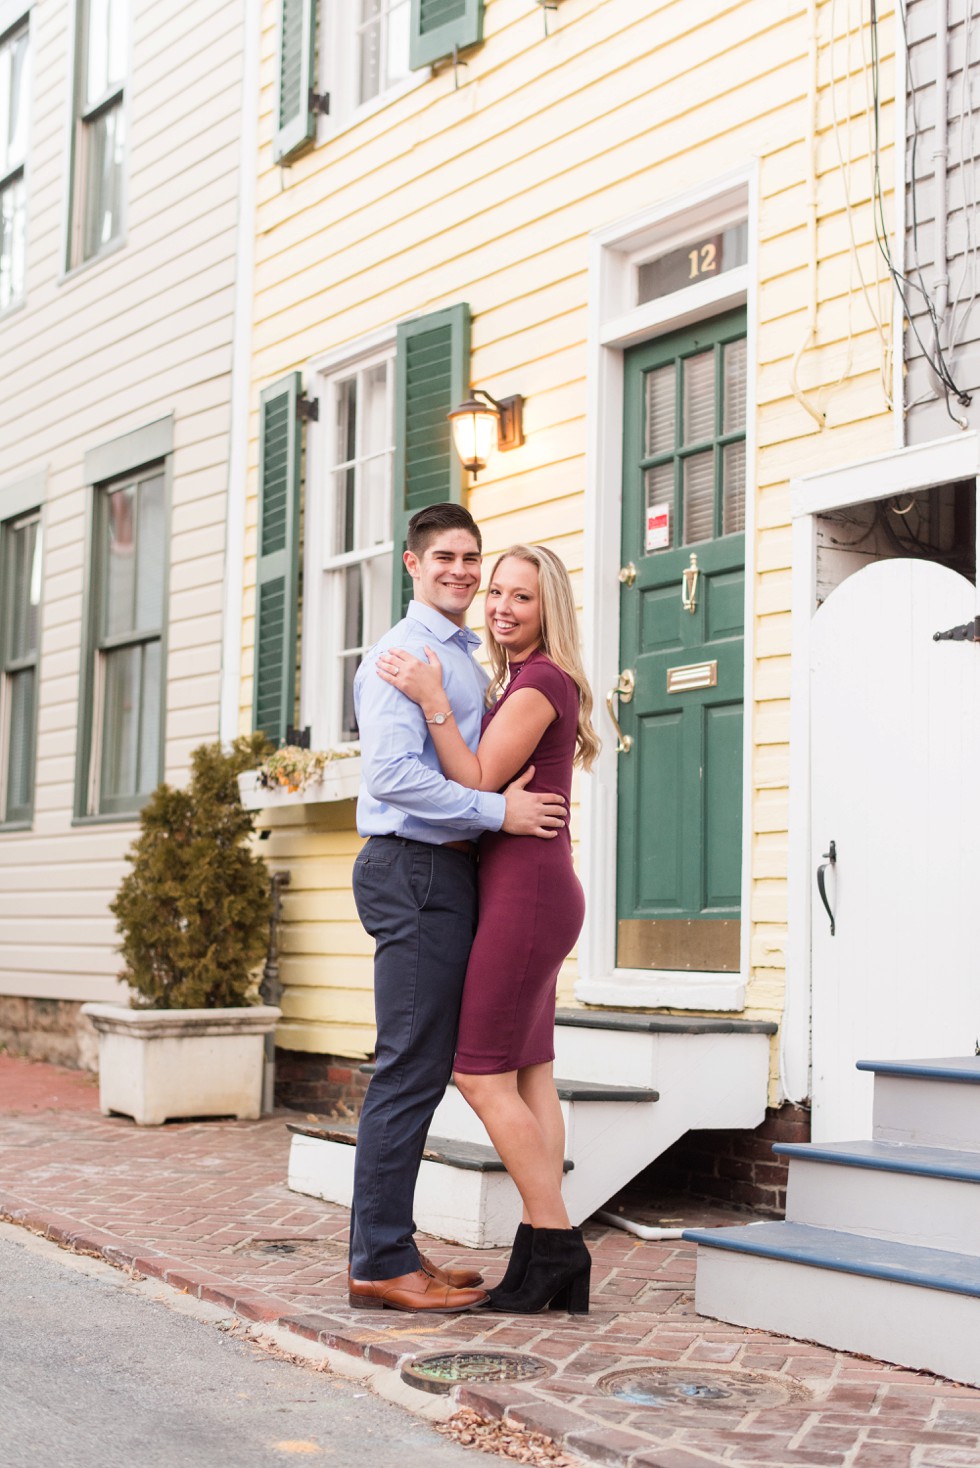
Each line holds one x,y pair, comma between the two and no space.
468,953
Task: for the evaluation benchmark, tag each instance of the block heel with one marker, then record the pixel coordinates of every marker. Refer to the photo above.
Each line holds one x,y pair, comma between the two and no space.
574,1296
557,1276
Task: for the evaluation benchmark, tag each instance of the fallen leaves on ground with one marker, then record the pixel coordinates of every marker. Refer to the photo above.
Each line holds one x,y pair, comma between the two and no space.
506,1438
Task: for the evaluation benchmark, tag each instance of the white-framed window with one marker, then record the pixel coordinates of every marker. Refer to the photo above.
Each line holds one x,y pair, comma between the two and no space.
99,134
347,602
366,55
14,92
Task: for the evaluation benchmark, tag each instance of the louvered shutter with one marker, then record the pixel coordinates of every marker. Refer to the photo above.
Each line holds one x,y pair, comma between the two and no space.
277,577
431,378
439,25
295,118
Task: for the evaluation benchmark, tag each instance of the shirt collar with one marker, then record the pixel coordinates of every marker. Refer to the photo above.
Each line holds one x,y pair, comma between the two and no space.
439,625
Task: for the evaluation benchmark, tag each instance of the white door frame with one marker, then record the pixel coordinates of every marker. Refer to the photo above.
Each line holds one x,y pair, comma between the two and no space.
901,471
614,325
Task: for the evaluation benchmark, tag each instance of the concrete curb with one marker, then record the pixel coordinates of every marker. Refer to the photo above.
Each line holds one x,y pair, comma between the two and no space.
331,1334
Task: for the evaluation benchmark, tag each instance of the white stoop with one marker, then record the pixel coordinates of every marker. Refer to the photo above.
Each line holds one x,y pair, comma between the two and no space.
631,1085
880,1250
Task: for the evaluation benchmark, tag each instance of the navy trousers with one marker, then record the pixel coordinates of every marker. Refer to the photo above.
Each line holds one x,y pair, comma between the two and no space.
419,903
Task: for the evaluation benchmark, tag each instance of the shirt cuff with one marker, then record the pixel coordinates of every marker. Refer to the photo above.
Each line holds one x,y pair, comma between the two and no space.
493,808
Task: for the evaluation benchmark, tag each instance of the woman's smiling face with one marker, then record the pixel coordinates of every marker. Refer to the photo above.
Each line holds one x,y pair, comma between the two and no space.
514,608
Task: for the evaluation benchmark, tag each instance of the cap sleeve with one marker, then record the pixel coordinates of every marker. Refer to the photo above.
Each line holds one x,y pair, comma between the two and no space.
558,688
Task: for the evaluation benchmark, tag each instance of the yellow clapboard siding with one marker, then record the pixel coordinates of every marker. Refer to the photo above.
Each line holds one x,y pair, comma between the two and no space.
488,194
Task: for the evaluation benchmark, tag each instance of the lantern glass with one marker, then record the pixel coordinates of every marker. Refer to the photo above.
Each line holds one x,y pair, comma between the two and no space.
475,435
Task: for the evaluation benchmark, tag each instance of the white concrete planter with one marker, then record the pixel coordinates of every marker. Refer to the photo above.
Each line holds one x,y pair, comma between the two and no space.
161,1064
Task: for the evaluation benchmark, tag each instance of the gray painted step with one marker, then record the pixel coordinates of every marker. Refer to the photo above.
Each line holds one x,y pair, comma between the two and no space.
468,1156
825,1248
888,1157
931,1103
579,1090
663,1024
961,1068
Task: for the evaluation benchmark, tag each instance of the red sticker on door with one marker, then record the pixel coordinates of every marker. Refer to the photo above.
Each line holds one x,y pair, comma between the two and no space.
658,528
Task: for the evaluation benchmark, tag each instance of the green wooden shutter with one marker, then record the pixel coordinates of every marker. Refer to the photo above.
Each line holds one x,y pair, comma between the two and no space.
277,578
295,118
439,25
432,374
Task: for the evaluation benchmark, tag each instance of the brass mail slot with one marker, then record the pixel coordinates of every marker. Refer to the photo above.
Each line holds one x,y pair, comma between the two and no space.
694,675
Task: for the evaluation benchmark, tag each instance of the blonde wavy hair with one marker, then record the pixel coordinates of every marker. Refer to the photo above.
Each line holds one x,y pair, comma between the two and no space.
559,639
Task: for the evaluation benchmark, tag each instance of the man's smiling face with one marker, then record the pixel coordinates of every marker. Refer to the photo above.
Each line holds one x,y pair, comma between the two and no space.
447,574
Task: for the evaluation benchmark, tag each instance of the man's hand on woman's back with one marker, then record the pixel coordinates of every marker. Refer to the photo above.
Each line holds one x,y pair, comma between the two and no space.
528,813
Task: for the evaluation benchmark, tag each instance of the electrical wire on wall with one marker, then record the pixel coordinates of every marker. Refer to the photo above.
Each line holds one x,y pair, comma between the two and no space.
911,284
877,309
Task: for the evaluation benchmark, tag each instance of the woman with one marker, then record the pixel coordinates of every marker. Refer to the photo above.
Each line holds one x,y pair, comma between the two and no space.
531,904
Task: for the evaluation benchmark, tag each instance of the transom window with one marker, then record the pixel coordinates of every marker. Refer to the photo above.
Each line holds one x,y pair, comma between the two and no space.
358,545
20,581
694,430
100,126
14,88
127,712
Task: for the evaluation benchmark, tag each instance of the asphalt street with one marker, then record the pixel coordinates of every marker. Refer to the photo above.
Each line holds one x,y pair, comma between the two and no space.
95,1372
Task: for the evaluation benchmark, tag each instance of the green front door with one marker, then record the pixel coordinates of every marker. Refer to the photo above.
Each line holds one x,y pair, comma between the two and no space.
681,619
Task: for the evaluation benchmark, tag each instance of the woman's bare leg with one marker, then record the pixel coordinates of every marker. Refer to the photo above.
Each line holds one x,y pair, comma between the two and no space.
525,1141
536,1084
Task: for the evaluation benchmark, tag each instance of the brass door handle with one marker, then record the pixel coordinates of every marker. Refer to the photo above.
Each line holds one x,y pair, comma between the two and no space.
689,585
623,689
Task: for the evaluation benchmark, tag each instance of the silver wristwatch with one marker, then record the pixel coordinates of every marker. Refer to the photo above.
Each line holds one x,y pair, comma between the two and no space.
440,718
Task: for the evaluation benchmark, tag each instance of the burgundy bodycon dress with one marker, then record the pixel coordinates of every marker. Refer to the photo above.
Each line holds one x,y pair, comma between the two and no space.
531,906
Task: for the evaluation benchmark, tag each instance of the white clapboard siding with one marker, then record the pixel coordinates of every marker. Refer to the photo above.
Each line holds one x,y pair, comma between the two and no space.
142,333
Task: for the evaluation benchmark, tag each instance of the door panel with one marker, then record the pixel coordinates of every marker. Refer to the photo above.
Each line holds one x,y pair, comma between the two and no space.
680,796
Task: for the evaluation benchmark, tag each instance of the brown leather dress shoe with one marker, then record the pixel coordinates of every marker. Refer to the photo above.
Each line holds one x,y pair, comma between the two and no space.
457,1279
415,1291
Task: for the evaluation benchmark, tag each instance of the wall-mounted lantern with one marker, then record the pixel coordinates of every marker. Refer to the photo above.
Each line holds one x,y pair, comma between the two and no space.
480,427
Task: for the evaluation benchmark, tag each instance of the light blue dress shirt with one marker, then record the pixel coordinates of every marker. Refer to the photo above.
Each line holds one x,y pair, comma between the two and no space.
403,790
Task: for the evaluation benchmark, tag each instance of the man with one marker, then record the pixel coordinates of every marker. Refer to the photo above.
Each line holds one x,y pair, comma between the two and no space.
415,888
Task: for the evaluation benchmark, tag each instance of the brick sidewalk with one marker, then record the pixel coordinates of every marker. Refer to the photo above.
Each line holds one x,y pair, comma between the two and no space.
204,1206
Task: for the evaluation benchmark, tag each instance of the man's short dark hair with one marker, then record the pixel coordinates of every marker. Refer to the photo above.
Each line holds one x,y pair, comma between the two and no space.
426,524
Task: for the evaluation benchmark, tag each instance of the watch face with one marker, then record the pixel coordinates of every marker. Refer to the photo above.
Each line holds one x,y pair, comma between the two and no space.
440,719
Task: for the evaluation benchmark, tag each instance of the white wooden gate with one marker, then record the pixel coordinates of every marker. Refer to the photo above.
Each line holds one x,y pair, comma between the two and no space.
895,774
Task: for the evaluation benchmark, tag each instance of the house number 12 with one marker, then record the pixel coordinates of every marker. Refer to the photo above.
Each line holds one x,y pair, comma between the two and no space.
703,259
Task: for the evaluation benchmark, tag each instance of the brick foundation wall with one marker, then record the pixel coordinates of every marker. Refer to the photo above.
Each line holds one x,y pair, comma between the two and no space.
735,1167
329,1085
48,1029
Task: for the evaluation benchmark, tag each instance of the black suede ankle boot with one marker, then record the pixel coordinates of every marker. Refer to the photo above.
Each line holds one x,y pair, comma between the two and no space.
557,1275
520,1258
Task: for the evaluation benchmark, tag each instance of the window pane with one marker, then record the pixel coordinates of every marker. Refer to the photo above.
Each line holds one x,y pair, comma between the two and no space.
733,418
105,42
699,398
733,469
348,723
369,41
345,481
399,33
120,561
661,410
353,608
104,145
13,235
376,593
120,722
150,550
25,591
658,531
149,753
20,751
699,497
13,101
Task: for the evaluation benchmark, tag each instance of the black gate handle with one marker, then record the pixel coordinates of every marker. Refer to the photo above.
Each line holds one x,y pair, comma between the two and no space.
831,860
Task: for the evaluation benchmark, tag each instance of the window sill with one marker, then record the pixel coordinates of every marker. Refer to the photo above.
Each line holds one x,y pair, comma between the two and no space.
113,818
340,781
13,308
74,271
6,826
335,127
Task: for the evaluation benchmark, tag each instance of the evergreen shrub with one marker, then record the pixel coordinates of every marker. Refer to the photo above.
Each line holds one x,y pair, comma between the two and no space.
193,910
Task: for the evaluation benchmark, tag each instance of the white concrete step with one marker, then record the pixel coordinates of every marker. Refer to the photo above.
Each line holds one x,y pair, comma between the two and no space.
914,1306
463,1192
925,1196
929,1103
660,1077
